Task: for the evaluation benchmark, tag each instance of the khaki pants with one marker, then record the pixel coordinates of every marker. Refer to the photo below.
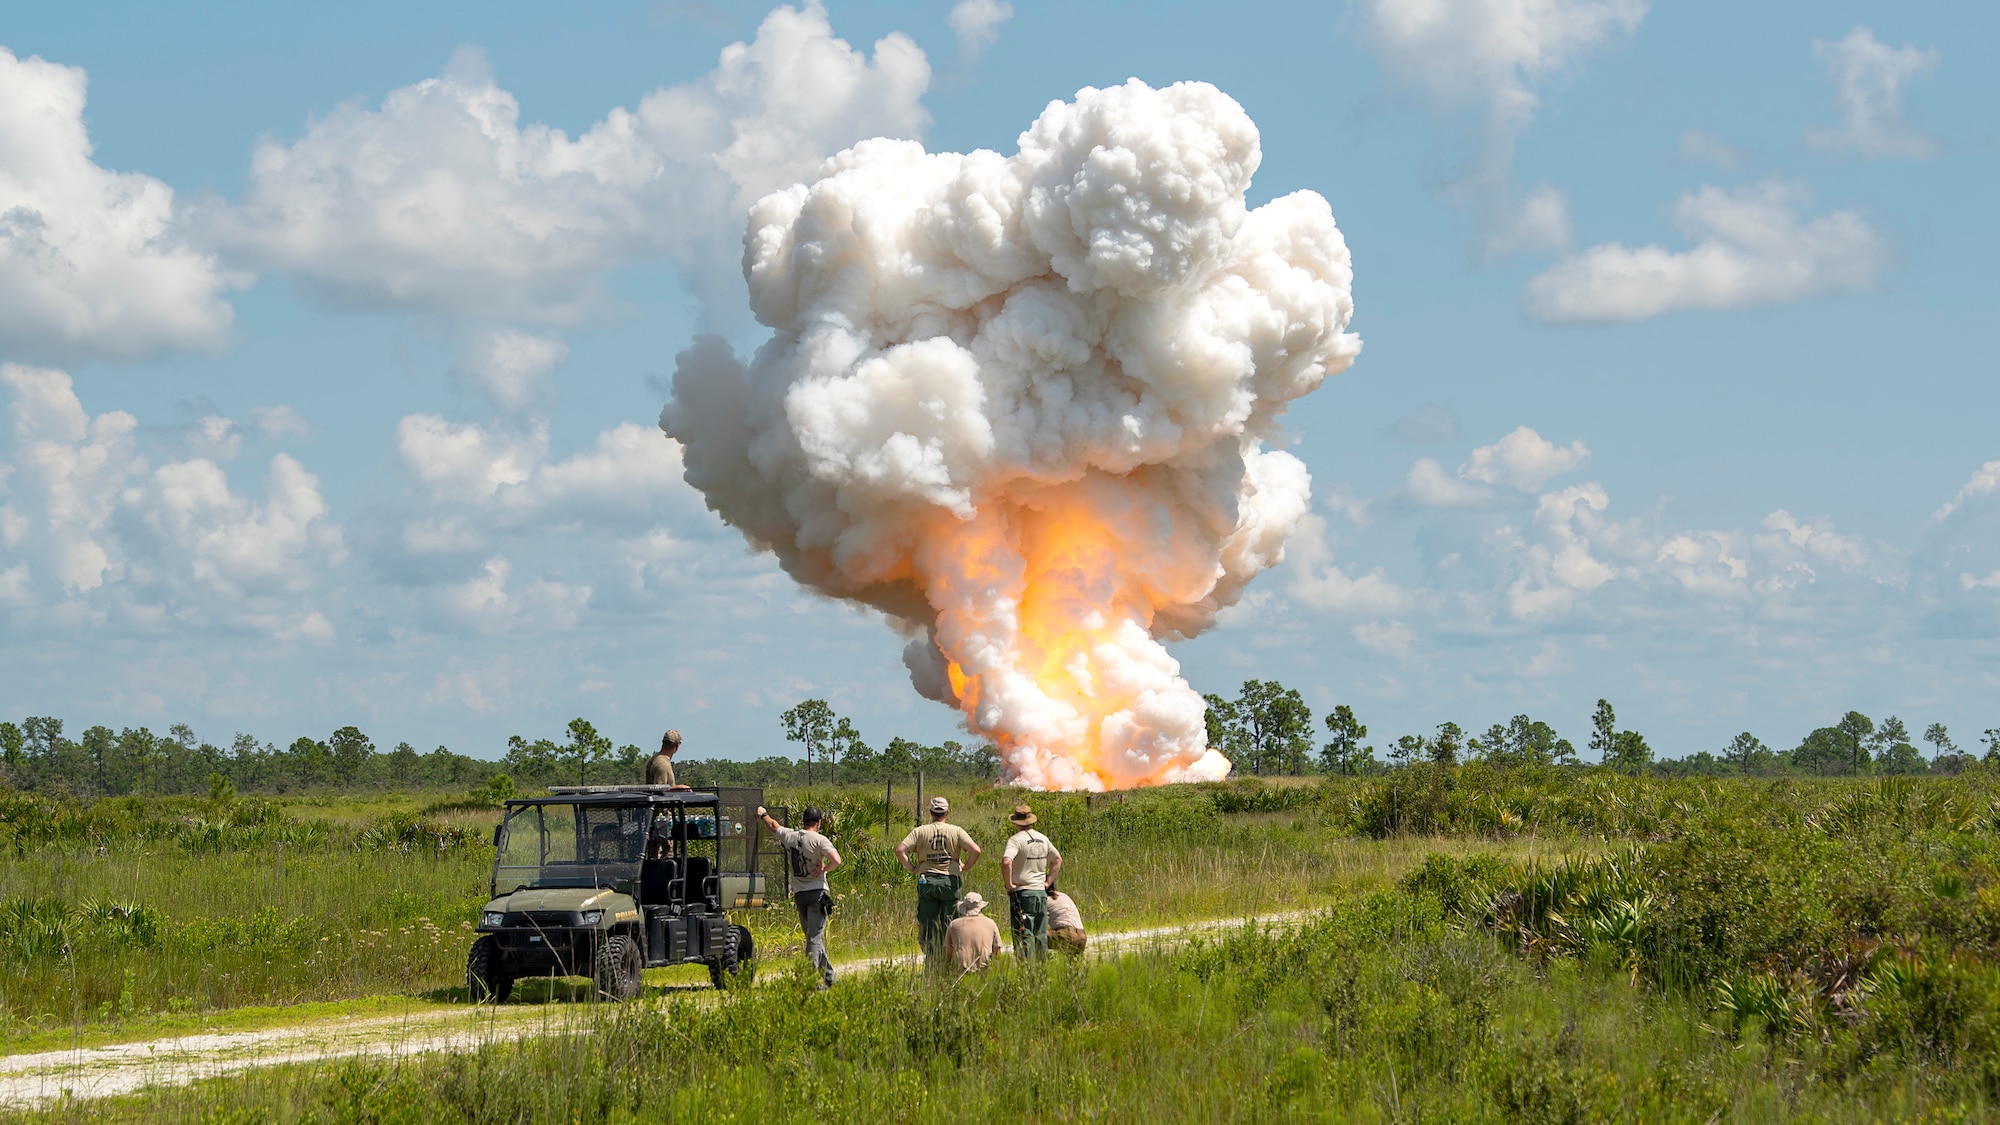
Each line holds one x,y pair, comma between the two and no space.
1029,911
937,905
1068,941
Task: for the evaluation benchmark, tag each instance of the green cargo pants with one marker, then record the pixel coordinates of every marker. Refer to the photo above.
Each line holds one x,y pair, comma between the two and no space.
1029,911
937,905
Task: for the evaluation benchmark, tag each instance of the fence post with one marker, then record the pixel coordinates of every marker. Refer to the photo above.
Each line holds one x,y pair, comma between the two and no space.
888,806
920,797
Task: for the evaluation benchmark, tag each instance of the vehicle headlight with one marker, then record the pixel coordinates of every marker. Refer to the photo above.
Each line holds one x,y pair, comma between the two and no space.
492,918
592,917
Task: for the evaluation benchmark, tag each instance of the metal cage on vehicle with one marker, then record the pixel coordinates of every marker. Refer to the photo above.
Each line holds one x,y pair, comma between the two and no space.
608,880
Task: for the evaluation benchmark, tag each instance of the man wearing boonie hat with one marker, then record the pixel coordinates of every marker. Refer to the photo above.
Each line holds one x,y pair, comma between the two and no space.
940,846
1027,867
973,939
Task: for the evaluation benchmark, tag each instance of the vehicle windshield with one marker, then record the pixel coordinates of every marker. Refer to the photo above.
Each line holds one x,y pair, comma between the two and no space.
571,845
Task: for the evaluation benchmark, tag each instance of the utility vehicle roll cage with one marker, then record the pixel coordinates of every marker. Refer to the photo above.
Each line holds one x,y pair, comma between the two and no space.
667,848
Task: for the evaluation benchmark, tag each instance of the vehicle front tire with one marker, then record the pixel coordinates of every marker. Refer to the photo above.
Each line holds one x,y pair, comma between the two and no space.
486,975
738,965
619,963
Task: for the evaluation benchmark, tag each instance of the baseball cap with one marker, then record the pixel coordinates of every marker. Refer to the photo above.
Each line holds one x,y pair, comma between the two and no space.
939,805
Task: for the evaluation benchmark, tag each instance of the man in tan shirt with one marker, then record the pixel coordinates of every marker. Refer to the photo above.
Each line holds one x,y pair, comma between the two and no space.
944,853
660,767
973,939
1027,867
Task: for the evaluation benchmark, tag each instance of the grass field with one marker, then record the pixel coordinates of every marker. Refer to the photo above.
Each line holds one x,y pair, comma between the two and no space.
130,916
1484,946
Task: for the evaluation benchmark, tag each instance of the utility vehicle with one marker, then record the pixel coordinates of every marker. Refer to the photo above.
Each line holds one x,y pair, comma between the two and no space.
606,881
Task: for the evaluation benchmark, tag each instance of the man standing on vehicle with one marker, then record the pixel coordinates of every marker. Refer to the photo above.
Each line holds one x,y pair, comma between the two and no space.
660,767
808,857
1027,867
941,847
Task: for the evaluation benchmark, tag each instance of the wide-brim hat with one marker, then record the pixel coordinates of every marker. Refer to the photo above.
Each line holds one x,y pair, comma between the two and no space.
1022,815
971,904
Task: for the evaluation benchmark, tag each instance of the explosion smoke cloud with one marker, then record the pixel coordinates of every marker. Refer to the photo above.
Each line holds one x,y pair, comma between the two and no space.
1020,404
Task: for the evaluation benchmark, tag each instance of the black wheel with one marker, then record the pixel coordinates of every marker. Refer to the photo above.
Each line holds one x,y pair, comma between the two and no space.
618,966
738,966
486,975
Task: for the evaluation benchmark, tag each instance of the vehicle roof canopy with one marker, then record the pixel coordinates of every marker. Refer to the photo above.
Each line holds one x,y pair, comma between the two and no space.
658,795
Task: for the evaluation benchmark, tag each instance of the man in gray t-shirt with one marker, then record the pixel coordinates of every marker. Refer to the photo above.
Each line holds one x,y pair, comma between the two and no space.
808,857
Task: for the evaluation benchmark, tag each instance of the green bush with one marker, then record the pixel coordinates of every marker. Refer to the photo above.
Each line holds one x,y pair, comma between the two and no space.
408,832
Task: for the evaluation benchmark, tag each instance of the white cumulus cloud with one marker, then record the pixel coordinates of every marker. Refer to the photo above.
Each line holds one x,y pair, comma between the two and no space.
1523,459
512,367
1495,55
89,526
1570,559
1985,481
977,24
277,421
92,262
1868,78
1752,248
1320,582
476,480
1385,638
1429,484
442,200
491,602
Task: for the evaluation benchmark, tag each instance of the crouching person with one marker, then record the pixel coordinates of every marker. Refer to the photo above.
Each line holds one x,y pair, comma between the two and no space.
972,939
1065,924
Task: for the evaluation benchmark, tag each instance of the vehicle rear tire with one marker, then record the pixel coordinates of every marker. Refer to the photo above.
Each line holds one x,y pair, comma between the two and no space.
738,964
619,963
486,975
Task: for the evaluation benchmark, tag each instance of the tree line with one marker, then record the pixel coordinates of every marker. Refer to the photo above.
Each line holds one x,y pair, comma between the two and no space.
1266,729
36,754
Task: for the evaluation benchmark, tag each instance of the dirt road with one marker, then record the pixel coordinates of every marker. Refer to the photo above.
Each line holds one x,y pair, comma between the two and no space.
27,1081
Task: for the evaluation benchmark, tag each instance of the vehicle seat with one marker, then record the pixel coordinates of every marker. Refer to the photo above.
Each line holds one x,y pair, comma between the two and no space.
698,877
656,878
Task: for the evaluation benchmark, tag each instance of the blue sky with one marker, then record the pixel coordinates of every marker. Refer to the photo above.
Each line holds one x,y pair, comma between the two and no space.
274,463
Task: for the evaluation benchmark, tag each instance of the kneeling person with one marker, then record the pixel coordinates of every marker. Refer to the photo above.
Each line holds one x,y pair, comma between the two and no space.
1065,923
972,939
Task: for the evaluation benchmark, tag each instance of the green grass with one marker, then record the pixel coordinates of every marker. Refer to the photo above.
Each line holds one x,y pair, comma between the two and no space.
270,926
1538,945
1385,1008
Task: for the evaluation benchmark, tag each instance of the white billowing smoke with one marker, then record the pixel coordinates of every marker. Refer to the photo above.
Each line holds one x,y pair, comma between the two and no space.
1020,403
